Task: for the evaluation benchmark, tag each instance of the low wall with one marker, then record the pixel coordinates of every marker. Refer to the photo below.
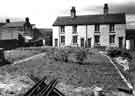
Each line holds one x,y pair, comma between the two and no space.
9,44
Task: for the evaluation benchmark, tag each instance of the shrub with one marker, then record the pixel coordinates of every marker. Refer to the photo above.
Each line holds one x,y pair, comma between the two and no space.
99,47
90,51
115,52
81,56
127,55
61,55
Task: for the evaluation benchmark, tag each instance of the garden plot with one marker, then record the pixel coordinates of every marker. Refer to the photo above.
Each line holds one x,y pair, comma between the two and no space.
95,70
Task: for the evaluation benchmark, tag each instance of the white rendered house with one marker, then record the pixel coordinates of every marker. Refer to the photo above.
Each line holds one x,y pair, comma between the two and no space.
107,29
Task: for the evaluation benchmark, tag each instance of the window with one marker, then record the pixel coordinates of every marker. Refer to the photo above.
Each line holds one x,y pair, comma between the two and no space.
62,29
97,28
112,39
62,39
111,28
74,39
74,28
97,39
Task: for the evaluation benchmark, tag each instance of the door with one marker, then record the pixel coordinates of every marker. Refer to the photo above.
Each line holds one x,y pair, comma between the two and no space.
82,42
89,42
56,42
134,45
120,42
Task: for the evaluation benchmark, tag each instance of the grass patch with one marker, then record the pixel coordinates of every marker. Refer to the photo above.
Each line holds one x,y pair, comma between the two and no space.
95,70
21,53
116,52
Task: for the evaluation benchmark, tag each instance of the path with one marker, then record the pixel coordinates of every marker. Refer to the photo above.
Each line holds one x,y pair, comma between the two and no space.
119,72
29,58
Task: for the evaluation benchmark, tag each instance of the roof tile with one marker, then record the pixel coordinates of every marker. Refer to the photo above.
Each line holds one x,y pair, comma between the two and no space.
118,18
15,24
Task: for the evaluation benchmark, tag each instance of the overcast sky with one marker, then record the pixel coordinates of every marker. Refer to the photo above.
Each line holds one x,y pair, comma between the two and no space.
44,12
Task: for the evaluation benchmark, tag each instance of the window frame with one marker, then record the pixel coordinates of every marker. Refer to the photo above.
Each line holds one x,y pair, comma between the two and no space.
112,28
111,39
97,28
62,40
89,43
76,41
62,29
74,29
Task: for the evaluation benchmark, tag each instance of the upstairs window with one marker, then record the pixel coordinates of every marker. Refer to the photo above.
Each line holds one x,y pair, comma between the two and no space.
112,39
111,28
74,28
62,39
74,39
62,29
97,28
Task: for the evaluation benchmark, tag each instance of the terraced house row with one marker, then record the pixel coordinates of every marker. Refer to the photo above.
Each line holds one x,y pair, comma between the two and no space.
107,29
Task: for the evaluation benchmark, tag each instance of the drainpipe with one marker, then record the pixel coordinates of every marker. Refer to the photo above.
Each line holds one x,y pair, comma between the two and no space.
125,40
86,43
59,38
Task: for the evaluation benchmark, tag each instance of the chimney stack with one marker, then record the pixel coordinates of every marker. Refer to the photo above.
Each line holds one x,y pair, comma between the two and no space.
7,21
73,12
106,9
27,20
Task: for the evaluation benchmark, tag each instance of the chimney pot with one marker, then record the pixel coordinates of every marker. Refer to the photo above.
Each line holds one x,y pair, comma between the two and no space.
27,19
106,9
7,21
73,12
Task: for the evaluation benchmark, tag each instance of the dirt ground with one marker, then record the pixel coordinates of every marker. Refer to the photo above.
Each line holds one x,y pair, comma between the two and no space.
97,71
20,53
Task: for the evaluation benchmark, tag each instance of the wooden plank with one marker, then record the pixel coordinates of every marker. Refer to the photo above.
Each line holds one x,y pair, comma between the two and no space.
55,92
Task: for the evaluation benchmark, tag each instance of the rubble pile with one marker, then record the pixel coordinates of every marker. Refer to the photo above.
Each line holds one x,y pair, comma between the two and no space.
123,62
14,85
17,85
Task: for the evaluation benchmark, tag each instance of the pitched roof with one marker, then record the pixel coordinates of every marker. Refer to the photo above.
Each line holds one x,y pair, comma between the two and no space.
15,24
130,30
117,18
44,31
1,24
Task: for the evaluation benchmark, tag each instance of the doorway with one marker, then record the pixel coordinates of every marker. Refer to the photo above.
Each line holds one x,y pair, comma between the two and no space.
56,42
130,39
132,44
82,42
89,42
120,42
